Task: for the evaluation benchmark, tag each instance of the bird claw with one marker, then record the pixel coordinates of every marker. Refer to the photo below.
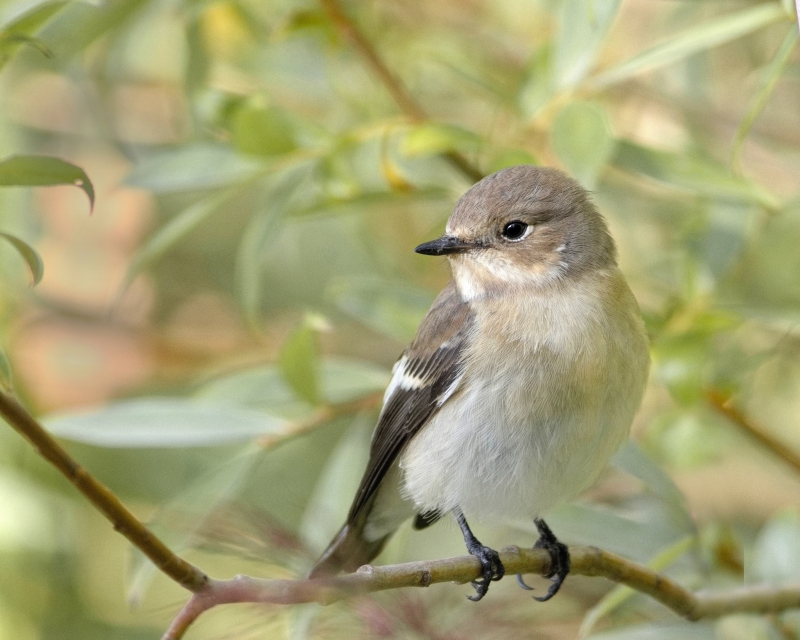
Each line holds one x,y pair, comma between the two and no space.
522,584
559,560
493,570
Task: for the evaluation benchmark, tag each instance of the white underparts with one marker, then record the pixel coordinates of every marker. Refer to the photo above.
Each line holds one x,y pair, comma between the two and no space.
549,390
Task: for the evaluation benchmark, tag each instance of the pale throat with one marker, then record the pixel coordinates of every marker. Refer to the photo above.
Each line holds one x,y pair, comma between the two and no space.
482,275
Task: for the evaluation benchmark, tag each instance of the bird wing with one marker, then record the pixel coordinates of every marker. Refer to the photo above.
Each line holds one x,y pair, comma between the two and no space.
426,375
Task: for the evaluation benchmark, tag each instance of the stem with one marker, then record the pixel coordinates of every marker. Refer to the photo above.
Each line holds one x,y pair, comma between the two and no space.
185,574
323,414
393,84
724,404
588,561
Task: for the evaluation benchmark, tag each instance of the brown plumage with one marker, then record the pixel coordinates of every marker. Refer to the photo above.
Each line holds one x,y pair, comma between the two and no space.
434,359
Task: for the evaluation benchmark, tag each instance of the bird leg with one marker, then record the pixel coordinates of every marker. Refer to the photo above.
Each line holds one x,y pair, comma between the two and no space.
493,569
559,560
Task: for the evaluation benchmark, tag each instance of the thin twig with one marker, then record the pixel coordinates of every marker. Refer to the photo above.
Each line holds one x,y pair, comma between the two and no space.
724,404
393,84
322,415
184,573
588,561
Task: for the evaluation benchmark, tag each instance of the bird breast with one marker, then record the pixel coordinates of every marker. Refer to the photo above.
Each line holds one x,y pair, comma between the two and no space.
548,393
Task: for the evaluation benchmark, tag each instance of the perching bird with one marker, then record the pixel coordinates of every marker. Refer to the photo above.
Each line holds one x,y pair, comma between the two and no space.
522,380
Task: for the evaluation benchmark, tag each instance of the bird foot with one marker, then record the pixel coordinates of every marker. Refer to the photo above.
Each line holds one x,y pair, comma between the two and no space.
493,569
559,561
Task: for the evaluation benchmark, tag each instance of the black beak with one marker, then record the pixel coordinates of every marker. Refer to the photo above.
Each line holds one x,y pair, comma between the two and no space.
443,246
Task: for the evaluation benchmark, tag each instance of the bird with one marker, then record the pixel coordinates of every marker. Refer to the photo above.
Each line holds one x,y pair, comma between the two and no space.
522,381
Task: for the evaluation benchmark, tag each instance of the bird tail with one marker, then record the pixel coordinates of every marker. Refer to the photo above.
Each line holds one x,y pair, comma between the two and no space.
347,552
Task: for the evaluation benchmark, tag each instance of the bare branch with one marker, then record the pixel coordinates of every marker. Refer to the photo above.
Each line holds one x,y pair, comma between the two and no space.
588,561
726,407
322,415
393,84
184,573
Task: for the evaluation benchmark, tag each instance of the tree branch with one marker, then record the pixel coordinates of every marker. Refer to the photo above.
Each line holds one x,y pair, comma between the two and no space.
588,561
322,415
184,573
393,84
724,404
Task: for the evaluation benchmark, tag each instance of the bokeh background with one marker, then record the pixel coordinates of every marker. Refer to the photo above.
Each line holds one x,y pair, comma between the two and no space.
212,340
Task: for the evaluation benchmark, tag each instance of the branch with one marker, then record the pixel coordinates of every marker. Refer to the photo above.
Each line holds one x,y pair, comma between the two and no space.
321,416
185,574
588,561
724,404
393,84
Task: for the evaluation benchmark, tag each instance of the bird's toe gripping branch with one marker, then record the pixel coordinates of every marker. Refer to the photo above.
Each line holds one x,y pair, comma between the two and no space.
559,560
491,565
493,569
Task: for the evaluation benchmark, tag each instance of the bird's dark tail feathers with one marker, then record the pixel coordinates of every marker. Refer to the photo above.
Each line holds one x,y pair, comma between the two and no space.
347,552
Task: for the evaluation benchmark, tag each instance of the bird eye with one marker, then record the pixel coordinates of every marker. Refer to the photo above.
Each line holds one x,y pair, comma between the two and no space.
515,230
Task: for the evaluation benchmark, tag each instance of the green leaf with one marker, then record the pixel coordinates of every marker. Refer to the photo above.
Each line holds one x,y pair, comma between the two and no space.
261,232
260,388
691,171
538,85
582,139
432,138
81,23
637,529
193,167
30,20
281,192
42,171
688,438
31,256
163,422
346,380
198,501
660,631
300,622
175,230
199,59
261,129
6,372
299,361
693,40
632,460
583,27
621,594
768,280
750,626
10,41
776,555
20,30
327,509
769,80
681,362
511,158
376,201
266,389
389,307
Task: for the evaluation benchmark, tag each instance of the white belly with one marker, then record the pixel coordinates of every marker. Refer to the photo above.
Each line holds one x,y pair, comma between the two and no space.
534,420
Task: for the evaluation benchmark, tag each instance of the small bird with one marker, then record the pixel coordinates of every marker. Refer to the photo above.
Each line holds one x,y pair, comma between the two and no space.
521,383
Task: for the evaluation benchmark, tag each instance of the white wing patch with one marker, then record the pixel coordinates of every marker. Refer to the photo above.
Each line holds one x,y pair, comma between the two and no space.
449,391
403,379
406,380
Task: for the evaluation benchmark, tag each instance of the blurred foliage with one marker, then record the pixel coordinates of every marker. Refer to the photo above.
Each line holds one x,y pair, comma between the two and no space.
236,300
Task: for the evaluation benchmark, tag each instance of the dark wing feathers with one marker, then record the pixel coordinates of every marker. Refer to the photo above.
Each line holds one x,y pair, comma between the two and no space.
422,380
429,367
